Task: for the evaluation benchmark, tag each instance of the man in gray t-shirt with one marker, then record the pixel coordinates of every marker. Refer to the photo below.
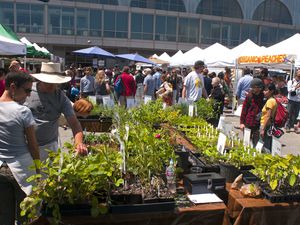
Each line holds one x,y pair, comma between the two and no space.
149,83
47,102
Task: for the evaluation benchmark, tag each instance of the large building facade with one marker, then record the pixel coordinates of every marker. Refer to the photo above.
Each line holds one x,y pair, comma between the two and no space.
149,26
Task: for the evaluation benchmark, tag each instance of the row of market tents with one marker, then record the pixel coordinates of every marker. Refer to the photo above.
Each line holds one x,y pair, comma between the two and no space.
280,55
11,45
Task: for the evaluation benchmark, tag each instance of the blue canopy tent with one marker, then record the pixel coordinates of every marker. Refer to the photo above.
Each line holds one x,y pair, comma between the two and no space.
135,57
94,52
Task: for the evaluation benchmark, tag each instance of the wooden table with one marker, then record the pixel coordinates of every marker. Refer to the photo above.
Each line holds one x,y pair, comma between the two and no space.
259,211
204,214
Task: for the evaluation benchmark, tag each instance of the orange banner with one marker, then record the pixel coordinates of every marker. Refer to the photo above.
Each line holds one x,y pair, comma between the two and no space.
262,59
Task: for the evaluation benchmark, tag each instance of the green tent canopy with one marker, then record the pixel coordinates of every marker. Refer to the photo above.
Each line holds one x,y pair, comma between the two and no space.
10,43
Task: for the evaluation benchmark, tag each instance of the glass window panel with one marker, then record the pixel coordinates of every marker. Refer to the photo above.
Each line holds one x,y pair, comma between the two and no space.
148,24
108,2
285,33
37,19
273,11
210,32
188,30
225,8
23,18
230,34
95,23
136,22
268,36
160,24
171,28
249,31
67,19
109,24
82,22
122,25
7,14
183,30
54,20
193,30
171,5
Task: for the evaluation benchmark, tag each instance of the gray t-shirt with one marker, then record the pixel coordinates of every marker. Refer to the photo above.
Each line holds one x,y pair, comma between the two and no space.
87,84
46,109
150,82
14,118
194,83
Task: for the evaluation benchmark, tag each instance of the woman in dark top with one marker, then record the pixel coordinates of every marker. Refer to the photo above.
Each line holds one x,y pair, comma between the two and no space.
218,95
102,87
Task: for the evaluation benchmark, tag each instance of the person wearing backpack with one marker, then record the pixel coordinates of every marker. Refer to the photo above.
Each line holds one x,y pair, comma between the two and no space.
128,86
251,110
268,116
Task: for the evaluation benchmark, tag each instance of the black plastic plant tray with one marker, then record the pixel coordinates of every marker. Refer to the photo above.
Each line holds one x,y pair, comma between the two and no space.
69,210
203,167
249,177
280,197
142,208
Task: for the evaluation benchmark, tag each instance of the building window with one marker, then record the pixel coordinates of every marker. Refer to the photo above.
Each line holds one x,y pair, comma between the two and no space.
268,36
95,23
7,14
82,22
89,22
285,33
67,21
54,20
166,28
23,18
37,19
115,24
225,8
230,34
188,30
107,2
211,31
249,31
169,5
273,11
30,18
141,26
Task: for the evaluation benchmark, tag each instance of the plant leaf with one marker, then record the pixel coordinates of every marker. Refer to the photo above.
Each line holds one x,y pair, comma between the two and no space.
292,179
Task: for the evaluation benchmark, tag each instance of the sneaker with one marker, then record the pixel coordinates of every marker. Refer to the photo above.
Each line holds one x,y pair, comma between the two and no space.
287,130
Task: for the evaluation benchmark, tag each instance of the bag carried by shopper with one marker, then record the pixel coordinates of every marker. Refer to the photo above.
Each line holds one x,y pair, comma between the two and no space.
281,115
119,87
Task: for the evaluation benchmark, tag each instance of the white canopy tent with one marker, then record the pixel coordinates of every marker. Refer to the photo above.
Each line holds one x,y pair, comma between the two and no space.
11,47
289,46
191,56
176,59
248,47
218,55
165,57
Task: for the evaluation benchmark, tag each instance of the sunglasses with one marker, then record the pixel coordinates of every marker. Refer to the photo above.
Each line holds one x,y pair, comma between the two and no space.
27,90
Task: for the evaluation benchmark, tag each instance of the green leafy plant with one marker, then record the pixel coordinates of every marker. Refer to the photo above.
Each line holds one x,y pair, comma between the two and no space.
69,179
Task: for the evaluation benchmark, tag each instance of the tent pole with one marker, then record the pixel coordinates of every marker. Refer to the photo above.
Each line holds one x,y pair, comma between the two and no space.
25,62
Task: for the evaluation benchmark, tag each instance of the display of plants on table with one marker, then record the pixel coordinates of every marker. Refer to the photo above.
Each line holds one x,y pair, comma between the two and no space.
133,157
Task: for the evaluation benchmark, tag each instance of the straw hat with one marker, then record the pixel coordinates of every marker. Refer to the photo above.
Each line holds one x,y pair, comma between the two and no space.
51,73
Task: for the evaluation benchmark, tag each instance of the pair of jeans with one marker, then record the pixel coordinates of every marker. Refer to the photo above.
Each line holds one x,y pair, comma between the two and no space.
293,109
11,195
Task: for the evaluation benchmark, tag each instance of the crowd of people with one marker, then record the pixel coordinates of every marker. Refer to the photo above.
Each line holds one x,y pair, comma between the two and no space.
31,105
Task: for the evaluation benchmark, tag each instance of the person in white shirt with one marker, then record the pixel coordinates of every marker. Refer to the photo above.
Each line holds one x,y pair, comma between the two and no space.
193,86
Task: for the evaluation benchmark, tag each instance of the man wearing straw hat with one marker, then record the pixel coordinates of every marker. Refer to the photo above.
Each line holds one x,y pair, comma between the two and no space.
47,102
